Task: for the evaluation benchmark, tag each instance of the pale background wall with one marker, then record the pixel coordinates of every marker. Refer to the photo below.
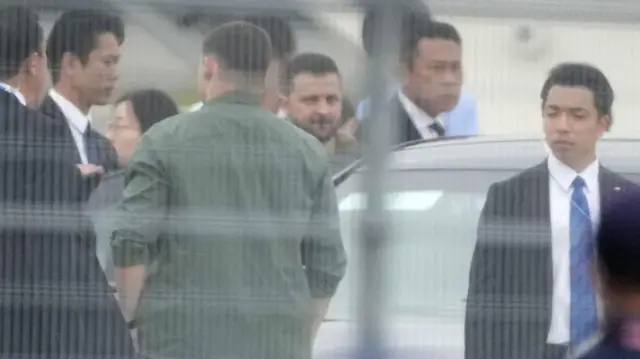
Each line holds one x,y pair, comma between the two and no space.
507,86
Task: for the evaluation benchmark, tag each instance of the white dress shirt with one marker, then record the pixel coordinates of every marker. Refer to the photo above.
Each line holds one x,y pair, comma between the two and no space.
420,119
76,120
560,191
15,92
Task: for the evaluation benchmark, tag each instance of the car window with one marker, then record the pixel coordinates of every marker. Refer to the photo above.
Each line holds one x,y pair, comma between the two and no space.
434,216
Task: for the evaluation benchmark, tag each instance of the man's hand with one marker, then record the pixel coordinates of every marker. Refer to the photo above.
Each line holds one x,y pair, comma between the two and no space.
90,169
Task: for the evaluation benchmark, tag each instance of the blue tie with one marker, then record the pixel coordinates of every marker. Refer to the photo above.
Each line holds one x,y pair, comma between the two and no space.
91,147
584,315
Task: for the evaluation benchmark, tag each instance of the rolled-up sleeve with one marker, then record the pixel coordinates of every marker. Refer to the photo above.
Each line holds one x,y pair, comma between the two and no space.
322,249
141,212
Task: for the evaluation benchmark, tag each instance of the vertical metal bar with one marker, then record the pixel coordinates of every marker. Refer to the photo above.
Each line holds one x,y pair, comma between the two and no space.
371,294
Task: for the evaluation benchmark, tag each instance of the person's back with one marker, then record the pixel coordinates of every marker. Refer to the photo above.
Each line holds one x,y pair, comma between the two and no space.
617,272
239,217
237,208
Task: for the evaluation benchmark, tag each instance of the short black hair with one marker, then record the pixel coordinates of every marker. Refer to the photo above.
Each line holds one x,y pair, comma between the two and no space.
617,244
283,40
426,29
310,62
20,36
240,47
77,32
413,16
150,106
582,75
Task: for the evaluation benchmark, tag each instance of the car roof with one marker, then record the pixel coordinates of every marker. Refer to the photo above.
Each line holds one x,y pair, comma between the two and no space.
513,153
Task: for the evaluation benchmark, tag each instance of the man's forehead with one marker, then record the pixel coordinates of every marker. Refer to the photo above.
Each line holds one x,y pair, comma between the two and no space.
311,82
437,47
570,96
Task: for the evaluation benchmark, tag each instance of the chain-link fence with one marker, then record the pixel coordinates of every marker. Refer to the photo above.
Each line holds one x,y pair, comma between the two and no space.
326,179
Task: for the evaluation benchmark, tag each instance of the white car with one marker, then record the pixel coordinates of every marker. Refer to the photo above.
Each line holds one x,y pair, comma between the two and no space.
437,191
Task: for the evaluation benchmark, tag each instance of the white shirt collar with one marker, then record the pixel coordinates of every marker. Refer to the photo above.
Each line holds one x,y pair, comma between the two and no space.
565,175
420,119
74,116
15,92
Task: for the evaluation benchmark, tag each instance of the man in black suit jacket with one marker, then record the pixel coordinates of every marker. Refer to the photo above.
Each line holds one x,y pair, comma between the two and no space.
431,78
55,301
83,50
529,293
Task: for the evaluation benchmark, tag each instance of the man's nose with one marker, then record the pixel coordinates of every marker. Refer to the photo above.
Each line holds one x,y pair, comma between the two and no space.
451,77
562,122
323,107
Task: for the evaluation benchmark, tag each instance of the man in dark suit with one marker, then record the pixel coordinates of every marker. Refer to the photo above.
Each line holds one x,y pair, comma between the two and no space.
55,300
529,289
83,50
430,85
618,276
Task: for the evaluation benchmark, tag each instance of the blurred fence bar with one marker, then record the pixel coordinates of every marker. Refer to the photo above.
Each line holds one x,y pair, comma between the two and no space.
387,17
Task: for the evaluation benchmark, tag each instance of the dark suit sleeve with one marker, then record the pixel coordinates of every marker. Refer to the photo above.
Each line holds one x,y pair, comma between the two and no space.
111,156
485,277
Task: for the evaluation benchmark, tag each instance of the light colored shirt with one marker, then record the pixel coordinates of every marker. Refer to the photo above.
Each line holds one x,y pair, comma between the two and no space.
560,191
461,121
15,92
76,120
420,119
194,107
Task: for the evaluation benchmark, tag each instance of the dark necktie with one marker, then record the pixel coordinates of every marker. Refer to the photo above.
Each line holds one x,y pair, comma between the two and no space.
584,312
437,128
91,147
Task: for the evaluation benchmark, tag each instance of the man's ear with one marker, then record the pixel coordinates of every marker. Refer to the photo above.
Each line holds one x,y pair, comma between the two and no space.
210,67
283,101
31,64
607,122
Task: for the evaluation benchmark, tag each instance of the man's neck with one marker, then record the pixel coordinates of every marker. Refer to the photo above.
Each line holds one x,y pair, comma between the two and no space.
419,104
579,165
73,96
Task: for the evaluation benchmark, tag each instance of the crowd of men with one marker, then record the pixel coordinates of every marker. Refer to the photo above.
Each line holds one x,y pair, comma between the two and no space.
219,227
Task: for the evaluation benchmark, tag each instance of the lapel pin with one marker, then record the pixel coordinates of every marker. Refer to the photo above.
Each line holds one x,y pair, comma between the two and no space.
617,189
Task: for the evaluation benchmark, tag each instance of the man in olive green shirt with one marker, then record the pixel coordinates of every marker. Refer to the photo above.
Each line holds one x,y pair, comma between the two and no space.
224,199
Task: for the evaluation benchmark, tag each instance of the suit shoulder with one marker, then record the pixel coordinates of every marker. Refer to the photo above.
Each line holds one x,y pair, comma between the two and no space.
518,180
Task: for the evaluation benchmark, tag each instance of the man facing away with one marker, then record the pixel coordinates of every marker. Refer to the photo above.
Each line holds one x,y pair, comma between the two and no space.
55,301
283,45
313,101
224,198
83,51
530,294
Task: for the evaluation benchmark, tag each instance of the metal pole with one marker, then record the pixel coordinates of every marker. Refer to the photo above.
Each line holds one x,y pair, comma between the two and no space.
372,290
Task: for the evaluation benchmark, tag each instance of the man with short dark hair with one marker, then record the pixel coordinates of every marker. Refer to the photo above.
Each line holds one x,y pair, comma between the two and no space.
83,51
224,198
313,101
283,45
55,301
430,82
530,294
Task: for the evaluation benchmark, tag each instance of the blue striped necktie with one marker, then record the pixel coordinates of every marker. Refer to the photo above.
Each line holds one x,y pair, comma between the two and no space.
584,315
